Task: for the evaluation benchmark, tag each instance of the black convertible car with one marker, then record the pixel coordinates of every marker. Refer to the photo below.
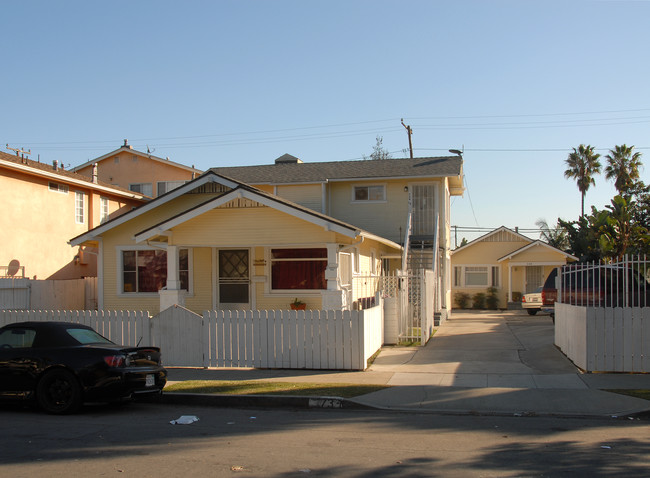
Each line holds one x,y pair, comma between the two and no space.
61,365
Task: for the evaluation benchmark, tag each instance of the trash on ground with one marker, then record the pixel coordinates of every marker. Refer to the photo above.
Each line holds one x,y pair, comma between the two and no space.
185,420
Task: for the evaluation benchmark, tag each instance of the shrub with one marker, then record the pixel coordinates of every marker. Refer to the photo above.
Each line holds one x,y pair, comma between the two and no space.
492,299
462,300
516,296
478,300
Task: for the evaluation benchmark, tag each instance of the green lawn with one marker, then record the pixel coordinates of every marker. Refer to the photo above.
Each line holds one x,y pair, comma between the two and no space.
343,390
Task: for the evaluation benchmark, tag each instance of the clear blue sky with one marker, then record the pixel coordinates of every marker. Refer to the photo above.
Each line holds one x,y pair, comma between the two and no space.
517,84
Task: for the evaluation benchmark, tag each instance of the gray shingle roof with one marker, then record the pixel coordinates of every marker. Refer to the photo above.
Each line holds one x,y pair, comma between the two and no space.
446,166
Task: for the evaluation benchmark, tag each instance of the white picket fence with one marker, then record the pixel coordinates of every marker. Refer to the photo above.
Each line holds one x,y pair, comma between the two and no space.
313,339
599,339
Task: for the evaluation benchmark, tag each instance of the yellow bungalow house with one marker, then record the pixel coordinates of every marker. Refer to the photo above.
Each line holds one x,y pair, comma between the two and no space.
216,243
42,206
506,260
404,200
137,171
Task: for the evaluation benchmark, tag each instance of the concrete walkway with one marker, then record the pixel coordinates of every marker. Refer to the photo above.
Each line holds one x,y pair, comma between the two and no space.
501,362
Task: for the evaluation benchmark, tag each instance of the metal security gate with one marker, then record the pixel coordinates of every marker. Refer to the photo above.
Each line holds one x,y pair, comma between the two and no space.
408,303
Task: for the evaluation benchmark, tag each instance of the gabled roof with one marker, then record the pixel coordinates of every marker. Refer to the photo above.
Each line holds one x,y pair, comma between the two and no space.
36,168
299,172
237,190
128,148
490,234
536,243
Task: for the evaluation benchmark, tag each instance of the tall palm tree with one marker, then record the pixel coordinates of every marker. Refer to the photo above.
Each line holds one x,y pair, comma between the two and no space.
623,167
582,165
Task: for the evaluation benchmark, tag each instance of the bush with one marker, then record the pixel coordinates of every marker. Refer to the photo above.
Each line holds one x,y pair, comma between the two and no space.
516,296
462,300
478,300
492,299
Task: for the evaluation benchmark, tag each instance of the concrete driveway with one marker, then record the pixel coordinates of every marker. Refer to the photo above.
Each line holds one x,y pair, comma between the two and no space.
484,349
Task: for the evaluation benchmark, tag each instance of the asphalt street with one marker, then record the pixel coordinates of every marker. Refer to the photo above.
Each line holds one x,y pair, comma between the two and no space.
138,440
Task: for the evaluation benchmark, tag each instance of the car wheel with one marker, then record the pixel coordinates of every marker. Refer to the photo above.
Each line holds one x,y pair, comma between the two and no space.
531,311
58,391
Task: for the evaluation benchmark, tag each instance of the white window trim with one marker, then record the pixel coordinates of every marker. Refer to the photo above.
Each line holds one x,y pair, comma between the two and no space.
120,271
77,195
59,188
270,291
104,209
489,272
353,199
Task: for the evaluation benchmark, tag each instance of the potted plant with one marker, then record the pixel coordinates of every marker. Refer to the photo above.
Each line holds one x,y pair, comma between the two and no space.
298,304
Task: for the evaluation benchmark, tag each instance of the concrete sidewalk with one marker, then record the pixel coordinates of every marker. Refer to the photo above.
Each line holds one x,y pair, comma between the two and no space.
501,362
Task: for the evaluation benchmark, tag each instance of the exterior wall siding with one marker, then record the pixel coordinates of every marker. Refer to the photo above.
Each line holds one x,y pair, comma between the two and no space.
307,195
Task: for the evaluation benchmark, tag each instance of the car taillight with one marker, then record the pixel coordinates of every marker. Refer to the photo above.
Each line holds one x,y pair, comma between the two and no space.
523,299
116,361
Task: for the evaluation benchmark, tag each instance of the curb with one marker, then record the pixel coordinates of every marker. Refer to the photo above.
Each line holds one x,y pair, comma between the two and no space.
338,403
263,401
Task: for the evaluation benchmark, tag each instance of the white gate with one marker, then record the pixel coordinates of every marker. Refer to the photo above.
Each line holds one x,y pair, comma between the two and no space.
179,334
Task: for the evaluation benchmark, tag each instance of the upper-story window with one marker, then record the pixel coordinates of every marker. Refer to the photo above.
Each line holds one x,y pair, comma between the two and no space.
142,188
59,188
79,207
370,193
104,212
166,186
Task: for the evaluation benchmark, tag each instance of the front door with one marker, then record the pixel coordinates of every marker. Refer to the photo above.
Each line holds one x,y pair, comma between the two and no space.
534,278
233,288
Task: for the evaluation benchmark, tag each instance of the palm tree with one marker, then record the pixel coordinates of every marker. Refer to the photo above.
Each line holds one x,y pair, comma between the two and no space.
623,167
556,237
582,165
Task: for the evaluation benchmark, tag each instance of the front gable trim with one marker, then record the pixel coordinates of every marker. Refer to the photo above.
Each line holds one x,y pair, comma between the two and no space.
535,244
492,233
154,203
238,193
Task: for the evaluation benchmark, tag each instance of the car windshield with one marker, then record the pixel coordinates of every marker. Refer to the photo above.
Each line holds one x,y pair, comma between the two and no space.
87,336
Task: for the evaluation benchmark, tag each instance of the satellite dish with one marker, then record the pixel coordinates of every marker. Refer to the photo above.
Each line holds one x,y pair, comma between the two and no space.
13,267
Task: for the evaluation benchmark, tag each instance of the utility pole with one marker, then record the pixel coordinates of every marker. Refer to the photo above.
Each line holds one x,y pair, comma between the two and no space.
410,132
19,151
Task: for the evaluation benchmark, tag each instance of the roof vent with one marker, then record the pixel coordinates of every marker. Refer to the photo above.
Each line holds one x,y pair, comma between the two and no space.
287,159
126,144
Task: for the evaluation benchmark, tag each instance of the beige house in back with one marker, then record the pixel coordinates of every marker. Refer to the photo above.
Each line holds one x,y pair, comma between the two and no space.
140,172
511,262
42,206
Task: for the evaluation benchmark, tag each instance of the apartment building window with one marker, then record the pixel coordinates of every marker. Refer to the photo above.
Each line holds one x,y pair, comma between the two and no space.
104,212
142,188
166,186
58,188
369,193
79,208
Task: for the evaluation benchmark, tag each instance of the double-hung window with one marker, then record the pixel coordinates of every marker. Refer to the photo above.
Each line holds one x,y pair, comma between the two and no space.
104,212
79,207
302,269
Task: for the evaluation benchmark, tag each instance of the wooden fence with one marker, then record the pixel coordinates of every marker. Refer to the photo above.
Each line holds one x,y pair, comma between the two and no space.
28,294
313,339
599,339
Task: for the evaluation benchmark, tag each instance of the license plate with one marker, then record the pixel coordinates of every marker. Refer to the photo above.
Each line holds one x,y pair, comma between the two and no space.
150,381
